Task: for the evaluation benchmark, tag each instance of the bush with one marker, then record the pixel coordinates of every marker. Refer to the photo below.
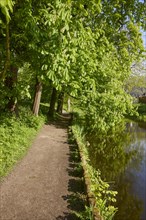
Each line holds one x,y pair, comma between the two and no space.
16,135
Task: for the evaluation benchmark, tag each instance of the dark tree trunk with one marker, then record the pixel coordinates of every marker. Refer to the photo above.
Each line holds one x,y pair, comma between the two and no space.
37,97
11,83
9,75
7,62
60,102
52,102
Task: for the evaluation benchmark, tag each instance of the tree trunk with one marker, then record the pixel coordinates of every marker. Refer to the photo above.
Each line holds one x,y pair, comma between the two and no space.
52,102
37,97
9,75
11,83
68,105
60,102
7,62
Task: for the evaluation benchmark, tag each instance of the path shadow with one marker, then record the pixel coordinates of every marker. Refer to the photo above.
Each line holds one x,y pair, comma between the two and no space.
61,120
76,197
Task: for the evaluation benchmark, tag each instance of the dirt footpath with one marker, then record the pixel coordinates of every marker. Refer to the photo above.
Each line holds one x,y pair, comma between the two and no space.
38,187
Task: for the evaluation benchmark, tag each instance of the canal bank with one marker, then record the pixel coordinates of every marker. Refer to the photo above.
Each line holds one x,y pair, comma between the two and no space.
121,158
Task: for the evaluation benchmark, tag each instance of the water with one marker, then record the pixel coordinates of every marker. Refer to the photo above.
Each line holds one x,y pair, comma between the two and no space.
122,160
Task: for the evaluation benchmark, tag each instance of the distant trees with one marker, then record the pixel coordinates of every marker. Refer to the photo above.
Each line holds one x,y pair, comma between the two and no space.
136,82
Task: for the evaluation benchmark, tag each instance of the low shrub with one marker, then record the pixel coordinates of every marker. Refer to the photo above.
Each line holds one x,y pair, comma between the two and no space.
103,196
16,135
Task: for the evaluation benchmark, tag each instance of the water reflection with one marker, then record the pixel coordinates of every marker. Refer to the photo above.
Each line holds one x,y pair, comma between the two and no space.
121,157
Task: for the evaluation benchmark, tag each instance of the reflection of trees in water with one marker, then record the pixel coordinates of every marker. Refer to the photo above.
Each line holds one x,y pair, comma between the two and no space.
129,206
136,161
143,126
135,128
112,155
109,155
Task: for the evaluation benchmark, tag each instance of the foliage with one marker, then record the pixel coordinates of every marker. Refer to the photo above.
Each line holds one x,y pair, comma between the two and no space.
15,137
25,87
81,48
137,79
6,7
141,112
86,215
104,100
142,108
103,195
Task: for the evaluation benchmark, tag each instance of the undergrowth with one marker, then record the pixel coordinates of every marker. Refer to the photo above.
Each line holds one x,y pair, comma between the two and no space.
16,135
104,197
140,112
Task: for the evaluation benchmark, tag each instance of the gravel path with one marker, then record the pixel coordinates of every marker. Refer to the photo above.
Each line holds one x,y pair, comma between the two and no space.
38,187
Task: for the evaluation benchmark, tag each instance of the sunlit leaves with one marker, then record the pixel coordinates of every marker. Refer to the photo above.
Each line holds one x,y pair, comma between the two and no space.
6,7
81,47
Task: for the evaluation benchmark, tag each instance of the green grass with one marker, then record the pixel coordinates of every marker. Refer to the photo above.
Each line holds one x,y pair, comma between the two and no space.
16,135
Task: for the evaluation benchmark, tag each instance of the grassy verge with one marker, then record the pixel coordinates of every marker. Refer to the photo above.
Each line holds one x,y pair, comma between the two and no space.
16,135
100,196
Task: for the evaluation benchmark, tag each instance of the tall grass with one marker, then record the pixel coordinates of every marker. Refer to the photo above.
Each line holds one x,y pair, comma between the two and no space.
16,135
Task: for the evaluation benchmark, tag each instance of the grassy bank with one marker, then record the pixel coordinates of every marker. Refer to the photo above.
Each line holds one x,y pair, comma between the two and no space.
101,204
16,135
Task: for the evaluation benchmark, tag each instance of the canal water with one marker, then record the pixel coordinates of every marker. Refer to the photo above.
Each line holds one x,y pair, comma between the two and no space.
122,160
